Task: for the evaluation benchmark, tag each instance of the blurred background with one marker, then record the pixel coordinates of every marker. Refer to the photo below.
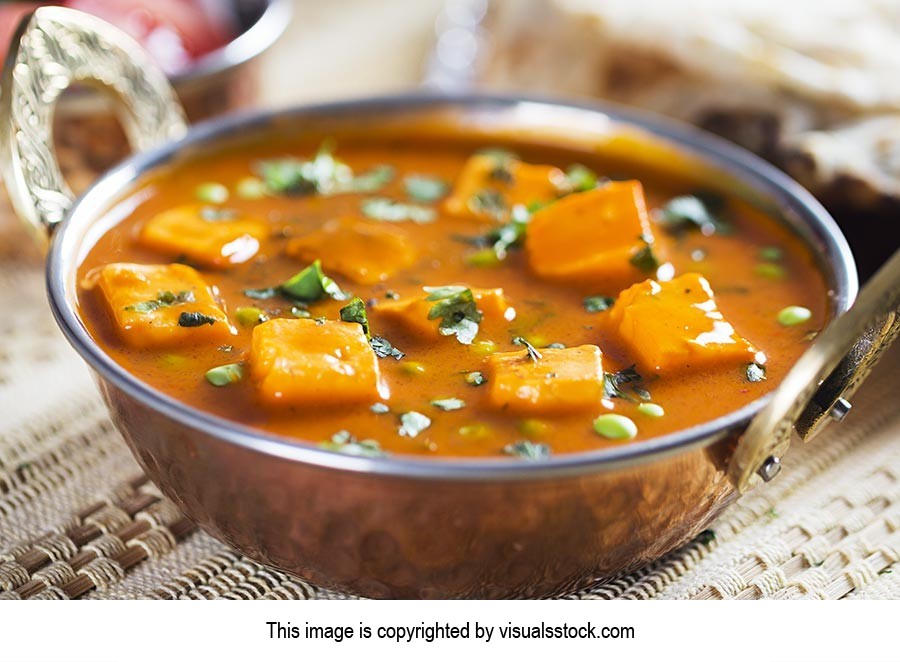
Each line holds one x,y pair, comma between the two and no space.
811,85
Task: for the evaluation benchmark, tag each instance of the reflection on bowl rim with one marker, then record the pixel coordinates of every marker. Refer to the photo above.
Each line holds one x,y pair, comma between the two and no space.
250,43
62,266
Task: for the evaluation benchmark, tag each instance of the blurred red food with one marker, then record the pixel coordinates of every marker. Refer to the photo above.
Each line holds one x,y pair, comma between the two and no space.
175,32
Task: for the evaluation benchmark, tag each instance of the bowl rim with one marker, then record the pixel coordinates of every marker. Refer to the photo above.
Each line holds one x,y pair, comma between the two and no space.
246,45
738,162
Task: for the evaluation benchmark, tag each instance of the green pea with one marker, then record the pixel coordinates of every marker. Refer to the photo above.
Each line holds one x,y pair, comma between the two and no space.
224,375
770,271
794,315
533,427
173,361
771,253
486,257
651,409
615,426
250,316
412,368
212,192
484,347
251,188
475,431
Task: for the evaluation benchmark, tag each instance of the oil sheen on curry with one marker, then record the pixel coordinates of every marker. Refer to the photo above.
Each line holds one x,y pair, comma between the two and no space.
447,299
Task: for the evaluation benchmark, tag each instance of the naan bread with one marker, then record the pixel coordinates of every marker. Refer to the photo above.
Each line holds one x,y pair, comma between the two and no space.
813,85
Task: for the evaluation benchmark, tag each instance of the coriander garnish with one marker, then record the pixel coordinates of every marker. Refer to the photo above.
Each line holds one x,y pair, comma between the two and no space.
580,178
645,259
613,383
262,293
321,174
694,211
355,311
489,202
392,211
456,307
597,304
424,189
448,404
755,372
195,319
347,443
475,378
384,349
312,284
533,354
412,423
528,450
163,300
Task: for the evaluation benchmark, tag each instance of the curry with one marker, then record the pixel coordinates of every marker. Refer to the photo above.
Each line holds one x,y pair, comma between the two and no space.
448,299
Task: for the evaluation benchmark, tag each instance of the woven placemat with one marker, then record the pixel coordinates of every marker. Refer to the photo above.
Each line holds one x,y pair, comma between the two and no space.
78,519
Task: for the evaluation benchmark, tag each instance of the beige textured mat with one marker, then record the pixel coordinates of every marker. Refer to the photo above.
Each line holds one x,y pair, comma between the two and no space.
78,520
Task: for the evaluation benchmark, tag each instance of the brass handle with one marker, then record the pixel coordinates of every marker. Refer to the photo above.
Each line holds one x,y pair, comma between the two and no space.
53,48
816,388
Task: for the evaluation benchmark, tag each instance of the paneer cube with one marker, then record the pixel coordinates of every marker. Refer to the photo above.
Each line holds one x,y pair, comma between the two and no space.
488,179
207,236
562,381
147,302
366,253
595,238
675,326
412,312
304,363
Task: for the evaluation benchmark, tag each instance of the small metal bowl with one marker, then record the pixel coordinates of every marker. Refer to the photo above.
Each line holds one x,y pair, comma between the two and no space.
89,139
404,526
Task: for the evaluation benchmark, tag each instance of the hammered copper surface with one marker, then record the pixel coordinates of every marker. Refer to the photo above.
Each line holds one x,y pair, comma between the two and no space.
384,536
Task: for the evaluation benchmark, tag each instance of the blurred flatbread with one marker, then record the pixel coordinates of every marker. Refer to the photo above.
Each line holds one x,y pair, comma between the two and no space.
813,85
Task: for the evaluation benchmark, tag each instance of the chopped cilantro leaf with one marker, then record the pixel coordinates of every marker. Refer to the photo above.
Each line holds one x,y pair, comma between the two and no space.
598,304
391,211
475,378
195,319
459,314
347,443
369,182
580,178
355,311
424,189
694,211
312,285
613,383
508,235
645,259
489,202
262,293
533,354
412,423
528,450
448,404
215,214
755,372
384,349
163,300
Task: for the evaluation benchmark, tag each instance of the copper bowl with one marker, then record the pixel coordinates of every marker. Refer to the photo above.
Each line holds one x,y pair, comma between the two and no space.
404,527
